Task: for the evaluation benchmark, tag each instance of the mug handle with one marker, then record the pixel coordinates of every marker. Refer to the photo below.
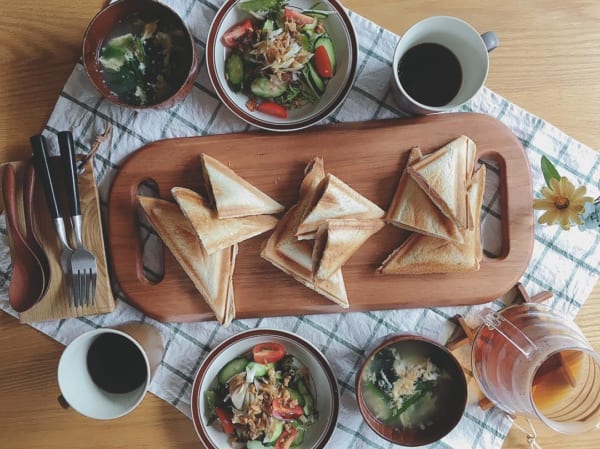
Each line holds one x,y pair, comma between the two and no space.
490,39
63,402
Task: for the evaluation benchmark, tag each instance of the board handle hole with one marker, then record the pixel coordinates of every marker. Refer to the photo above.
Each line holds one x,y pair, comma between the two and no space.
151,246
493,212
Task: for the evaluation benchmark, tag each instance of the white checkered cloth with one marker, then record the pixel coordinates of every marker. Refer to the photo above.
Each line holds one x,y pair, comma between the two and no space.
565,262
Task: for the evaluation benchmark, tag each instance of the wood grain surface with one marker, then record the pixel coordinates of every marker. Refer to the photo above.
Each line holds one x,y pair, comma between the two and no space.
257,157
548,62
54,304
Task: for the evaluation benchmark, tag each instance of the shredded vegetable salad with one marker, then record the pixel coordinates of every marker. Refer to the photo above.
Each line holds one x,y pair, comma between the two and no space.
263,399
281,57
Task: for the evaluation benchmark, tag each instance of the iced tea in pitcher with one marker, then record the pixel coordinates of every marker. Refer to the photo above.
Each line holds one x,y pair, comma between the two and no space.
531,362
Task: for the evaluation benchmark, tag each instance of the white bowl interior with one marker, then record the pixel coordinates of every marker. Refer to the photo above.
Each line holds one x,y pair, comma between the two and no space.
322,387
339,34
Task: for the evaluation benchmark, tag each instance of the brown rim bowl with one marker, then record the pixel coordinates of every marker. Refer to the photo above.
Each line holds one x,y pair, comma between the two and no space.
341,31
454,403
105,22
324,385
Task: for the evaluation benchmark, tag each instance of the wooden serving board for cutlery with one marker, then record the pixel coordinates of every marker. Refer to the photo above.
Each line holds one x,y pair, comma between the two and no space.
370,157
54,304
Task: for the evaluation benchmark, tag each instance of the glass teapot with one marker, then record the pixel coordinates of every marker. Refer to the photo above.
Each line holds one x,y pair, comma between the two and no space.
532,362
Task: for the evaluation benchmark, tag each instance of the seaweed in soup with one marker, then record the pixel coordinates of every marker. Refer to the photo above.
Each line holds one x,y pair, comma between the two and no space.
145,60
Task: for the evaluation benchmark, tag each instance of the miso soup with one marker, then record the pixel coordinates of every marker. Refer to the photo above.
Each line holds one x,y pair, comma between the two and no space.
146,58
406,385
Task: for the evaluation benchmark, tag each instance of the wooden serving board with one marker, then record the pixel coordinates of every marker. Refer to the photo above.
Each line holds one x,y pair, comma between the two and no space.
368,156
54,304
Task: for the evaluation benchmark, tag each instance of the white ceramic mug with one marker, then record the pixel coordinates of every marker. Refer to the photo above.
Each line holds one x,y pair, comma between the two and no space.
470,48
79,390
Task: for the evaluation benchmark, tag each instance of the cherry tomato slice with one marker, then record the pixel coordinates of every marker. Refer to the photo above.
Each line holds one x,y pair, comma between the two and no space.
297,16
284,413
236,32
322,63
274,109
225,420
269,352
286,439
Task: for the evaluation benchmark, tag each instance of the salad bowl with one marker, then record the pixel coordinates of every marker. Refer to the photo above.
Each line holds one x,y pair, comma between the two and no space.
325,91
321,383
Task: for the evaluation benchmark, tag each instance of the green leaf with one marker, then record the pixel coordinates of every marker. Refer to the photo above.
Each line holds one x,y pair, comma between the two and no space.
425,385
261,5
118,46
549,170
410,400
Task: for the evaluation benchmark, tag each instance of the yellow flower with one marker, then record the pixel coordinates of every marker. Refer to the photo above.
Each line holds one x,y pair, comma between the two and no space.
562,202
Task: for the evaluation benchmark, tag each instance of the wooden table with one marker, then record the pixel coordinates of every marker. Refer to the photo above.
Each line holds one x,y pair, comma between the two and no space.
548,62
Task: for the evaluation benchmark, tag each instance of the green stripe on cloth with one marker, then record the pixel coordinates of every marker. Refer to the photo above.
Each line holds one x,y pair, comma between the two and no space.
551,245
375,100
178,373
335,337
356,434
483,424
104,116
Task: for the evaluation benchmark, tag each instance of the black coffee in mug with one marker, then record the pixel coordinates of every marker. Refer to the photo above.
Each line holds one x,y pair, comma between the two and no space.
116,364
430,74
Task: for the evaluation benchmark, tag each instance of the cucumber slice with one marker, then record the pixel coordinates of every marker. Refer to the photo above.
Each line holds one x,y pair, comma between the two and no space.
254,370
294,394
315,80
258,5
211,402
308,400
267,87
274,431
312,36
324,41
319,14
304,41
377,402
234,367
309,26
299,437
234,69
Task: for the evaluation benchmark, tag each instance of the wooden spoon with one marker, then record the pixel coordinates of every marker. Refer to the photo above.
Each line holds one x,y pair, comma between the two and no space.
31,237
27,282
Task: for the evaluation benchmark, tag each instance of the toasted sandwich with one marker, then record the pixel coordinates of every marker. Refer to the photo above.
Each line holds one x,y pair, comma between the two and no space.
335,199
423,254
293,256
217,234
233,196
211,274
444,176
475,194
337,240
413,209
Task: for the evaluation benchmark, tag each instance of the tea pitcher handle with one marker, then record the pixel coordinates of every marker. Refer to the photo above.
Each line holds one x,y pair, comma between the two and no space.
495,321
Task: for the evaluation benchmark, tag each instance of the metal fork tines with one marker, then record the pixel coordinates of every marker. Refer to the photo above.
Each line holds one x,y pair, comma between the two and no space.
83,269
83,262
65,258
